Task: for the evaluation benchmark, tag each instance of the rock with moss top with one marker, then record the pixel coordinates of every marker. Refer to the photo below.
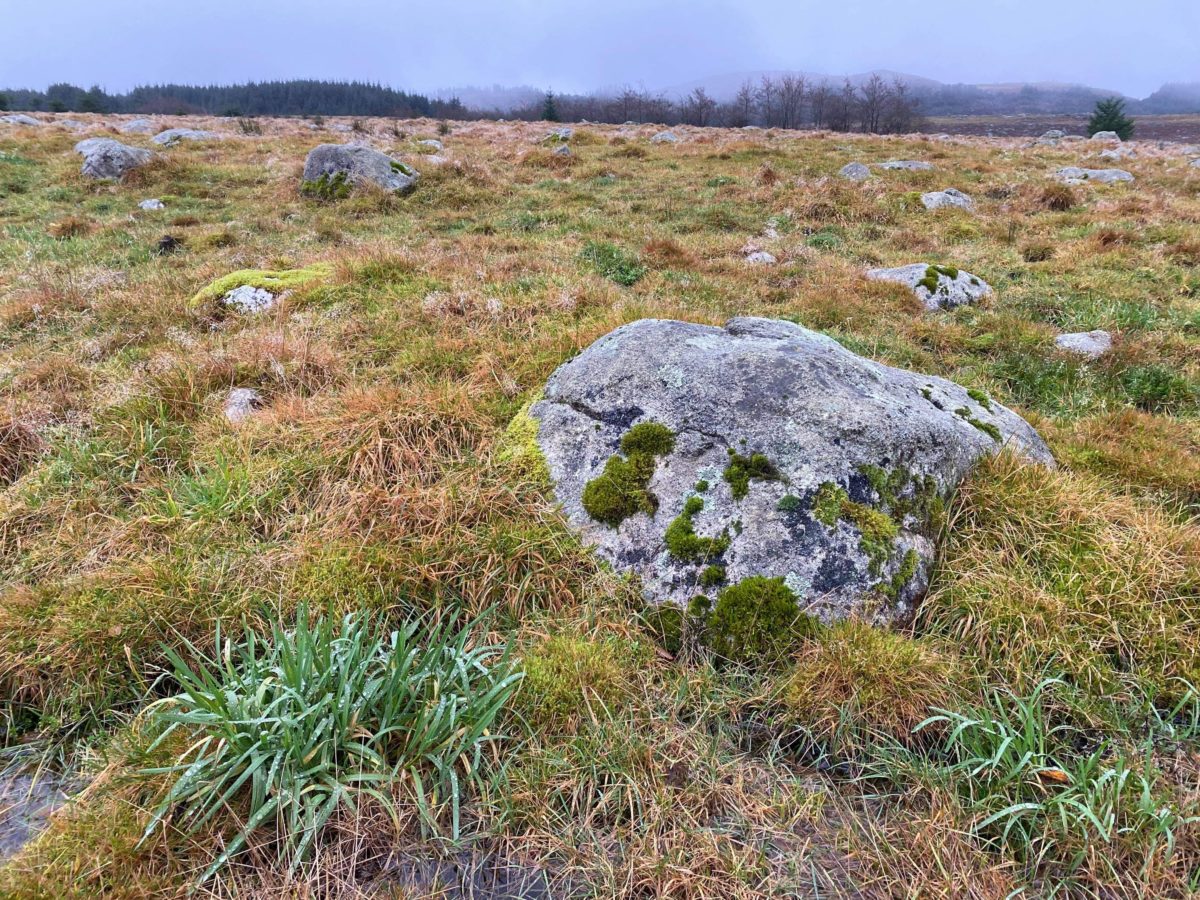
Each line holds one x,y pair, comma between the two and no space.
938,287
256,290
104,158
698,458
354,164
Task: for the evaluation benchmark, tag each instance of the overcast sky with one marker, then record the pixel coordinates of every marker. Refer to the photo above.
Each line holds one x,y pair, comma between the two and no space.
573,45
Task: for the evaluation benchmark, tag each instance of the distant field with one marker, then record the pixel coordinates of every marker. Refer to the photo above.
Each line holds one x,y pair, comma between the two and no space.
1157,128
383,468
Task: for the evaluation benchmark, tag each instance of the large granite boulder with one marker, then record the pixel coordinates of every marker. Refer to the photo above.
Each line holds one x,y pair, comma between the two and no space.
356,164
137,126
698,457
20,119
938,287
106,158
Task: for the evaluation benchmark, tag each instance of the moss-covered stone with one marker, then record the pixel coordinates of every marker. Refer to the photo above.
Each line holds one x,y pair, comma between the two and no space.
274,281
742,469
519,445
986,427
684,544
827,505
648,439
712,576
327,187
757,621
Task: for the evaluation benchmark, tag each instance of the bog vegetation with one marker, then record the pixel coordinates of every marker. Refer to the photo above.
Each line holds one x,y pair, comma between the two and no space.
311,652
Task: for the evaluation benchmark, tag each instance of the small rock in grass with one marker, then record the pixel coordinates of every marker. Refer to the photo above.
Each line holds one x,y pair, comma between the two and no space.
938,287
434,145
855,171
173,136
152,204
1106,136
137,126
665,137
20,119
104,158
241,404
908,165
761,258
948,197
1091,344
1077,175
562,150
168,244
249,299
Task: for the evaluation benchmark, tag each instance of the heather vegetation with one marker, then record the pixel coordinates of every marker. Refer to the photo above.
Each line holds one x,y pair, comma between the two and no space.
345,643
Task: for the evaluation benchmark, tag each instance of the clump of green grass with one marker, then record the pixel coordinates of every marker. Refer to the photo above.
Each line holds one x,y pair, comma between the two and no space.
611,262
327,187
571,679
757,621
284,731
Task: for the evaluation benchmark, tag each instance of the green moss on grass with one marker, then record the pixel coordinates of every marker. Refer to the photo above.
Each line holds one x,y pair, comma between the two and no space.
758,621
274,281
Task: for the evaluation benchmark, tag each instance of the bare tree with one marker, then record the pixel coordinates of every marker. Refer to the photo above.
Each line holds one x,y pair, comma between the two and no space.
900,116
792,91
768,99
743,106
842,107
698,107
820,98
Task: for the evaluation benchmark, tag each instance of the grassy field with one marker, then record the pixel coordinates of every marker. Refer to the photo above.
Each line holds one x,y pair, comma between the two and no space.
1184,128
1034,729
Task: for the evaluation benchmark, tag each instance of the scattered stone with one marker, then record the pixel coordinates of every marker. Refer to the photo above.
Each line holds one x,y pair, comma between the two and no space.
434,145
1118,153
855,171
1195,164
1191,150
665,137
152,204
761,258
561,134
70,124
137,126
241,404
938,287
1106,136
948,197
249,299
1051,138
20,119
910,165
168,244
763,455
173,136
355,164
106,158
1076,175
561,150
1091,344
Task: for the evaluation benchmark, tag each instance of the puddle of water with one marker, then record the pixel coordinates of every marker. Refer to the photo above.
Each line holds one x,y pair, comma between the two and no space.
26,804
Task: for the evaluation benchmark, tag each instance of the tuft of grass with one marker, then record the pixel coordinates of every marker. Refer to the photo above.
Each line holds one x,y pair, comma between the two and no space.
284,731
613,263
274,281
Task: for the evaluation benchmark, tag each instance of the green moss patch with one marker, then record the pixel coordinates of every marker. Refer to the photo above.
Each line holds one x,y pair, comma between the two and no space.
274,281
684,544
620,490
742,469
758,621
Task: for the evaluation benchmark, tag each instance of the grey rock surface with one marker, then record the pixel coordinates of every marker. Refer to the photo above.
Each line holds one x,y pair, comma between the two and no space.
1091,344
241,404
20,119
173,136
360,165
1106,136
665,137
855,171
951,287
249,299
950,197
1118,153
152,204
908,165
1195,164
434,145
562,150
137,126
109,159
1077,175
761,258
830,424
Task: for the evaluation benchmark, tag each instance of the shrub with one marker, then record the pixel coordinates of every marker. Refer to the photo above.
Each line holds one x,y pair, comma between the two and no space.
287,730
249,126
613,263
1059,197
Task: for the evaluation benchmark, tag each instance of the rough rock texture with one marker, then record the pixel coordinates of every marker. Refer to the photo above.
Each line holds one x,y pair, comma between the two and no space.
948,197
173,136
1091,344
855,171
849,460
1076,175
1118,153
1051,138
360,165
1195,164
241,404
1106,136
561,134
106,158
137,126
562,150
761,258
938,287
249,299
911,165
665,137
151,205
435,145
20,119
